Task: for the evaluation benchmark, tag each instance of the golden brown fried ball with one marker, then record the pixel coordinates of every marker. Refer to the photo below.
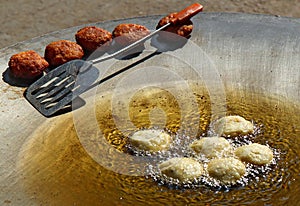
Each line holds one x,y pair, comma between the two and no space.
182,168
184,29
27,65
255,154
90,38
232,126
151,140
62,51
226,170
126,34
211,147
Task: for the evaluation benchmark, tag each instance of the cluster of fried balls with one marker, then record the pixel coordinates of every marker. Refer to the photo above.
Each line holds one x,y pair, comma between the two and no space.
220,159
30,65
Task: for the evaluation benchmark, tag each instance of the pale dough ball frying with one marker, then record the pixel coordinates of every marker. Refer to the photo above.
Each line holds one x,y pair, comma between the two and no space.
255,154
233,126
226,170
182,168
211,147
151,140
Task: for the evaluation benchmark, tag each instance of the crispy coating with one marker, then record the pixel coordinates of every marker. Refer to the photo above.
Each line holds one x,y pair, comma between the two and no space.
181,168
233,126
183,30
211,147
27,64
151,140
125,34
62,51
90,38
255,154
226,170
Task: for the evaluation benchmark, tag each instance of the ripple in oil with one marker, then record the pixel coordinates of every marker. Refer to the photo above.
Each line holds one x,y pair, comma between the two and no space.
56,170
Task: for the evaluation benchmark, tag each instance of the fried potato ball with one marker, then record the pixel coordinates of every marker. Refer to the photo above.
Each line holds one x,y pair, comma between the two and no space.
62,51
184,29
125,34
255,154
211,147
27,64
226,170
90,38
181,168
233,126
151,140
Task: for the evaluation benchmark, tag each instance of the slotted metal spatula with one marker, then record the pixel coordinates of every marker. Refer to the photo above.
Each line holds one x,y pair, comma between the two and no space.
55,90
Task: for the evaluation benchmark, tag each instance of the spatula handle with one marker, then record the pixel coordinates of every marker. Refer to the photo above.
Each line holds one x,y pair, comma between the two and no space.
186,13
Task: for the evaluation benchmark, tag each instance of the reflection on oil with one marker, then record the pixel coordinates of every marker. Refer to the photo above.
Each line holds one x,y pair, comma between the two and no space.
56,170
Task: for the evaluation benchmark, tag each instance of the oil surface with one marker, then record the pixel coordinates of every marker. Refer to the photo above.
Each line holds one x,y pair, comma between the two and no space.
56,170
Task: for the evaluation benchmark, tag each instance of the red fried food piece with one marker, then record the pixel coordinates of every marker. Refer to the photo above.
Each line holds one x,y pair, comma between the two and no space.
90,38
126,34
62,51
183,29
27,64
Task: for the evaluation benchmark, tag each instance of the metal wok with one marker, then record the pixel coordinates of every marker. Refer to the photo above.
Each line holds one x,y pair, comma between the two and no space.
255,53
